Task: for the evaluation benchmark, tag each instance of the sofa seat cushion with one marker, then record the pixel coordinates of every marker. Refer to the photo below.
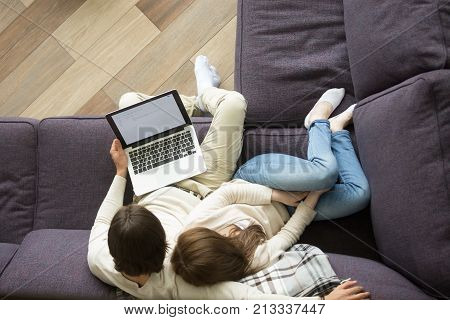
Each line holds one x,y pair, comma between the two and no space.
7,251
403,136
17,178
351,235
52,264
381,281
391,41
287,54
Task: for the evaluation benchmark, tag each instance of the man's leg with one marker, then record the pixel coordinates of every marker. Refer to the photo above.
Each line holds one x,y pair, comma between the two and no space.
223,143
130,98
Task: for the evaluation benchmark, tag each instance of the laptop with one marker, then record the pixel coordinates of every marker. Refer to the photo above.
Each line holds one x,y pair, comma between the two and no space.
159,140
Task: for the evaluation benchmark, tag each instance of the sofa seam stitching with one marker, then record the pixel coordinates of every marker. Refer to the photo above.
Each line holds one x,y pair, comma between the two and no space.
10,260
444,40
241,42
281,135
36,173
442,154
388,91
99,118
441,149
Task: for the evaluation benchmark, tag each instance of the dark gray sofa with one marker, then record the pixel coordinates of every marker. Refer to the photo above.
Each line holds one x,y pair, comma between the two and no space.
55,172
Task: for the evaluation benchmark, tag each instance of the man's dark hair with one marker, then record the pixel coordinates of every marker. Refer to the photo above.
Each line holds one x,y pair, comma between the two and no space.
137,241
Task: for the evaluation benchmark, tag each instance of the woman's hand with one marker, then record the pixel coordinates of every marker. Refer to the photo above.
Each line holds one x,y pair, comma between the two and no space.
119,157
313,198
288,198
349,290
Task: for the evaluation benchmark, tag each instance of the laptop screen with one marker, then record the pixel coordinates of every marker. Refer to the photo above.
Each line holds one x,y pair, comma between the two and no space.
149,119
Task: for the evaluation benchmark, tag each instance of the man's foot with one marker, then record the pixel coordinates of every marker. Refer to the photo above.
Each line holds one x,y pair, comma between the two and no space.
327,103
206,76
342,120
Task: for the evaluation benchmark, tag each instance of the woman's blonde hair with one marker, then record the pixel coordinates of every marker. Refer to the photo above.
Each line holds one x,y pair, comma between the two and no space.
205,257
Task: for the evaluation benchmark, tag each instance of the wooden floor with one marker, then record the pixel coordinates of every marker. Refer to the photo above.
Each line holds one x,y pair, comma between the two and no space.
77,57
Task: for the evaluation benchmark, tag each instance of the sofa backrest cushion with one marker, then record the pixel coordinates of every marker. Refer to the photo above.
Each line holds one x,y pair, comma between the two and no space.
17,177
391,41
287,54
403,137
75,171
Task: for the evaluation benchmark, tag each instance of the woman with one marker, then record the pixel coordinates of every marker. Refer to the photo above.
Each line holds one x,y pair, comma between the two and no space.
242,228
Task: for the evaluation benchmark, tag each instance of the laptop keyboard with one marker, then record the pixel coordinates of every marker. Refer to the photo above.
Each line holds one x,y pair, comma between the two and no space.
162,151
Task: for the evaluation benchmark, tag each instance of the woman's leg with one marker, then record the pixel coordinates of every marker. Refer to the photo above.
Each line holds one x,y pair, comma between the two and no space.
289,173
352,193
284,172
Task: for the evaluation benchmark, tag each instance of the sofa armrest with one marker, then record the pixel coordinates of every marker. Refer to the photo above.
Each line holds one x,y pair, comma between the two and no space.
402,135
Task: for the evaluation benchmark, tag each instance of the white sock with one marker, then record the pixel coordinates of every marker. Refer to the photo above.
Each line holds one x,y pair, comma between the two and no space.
351,108
346,111
206,76
347,117
333,96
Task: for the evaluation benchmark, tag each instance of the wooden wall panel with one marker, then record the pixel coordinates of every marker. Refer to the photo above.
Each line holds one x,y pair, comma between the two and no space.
162,13
99,104
70,92
32,77
7,15
120,44
65,57
82,29
220,50
28,31
172,48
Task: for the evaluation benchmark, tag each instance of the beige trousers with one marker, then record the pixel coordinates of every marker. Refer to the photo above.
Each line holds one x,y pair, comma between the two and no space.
222,144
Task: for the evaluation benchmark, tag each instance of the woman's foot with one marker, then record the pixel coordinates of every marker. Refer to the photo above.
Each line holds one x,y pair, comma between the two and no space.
342,120
327,103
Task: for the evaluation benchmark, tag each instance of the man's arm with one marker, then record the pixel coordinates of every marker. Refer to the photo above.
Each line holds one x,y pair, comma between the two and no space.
98,239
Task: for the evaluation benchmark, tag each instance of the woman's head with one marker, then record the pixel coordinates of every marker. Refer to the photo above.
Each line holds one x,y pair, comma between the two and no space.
205,257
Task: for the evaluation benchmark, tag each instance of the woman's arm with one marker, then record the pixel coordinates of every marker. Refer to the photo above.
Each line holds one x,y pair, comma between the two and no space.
242,192
234,193
269,251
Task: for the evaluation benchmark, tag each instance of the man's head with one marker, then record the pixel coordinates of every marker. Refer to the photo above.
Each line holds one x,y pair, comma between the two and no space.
137,241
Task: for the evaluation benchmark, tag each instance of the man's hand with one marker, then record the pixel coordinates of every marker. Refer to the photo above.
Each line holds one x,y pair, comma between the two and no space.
288,198
119,157
349,290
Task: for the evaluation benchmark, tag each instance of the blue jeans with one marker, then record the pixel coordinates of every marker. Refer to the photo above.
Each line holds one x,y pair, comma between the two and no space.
332,163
